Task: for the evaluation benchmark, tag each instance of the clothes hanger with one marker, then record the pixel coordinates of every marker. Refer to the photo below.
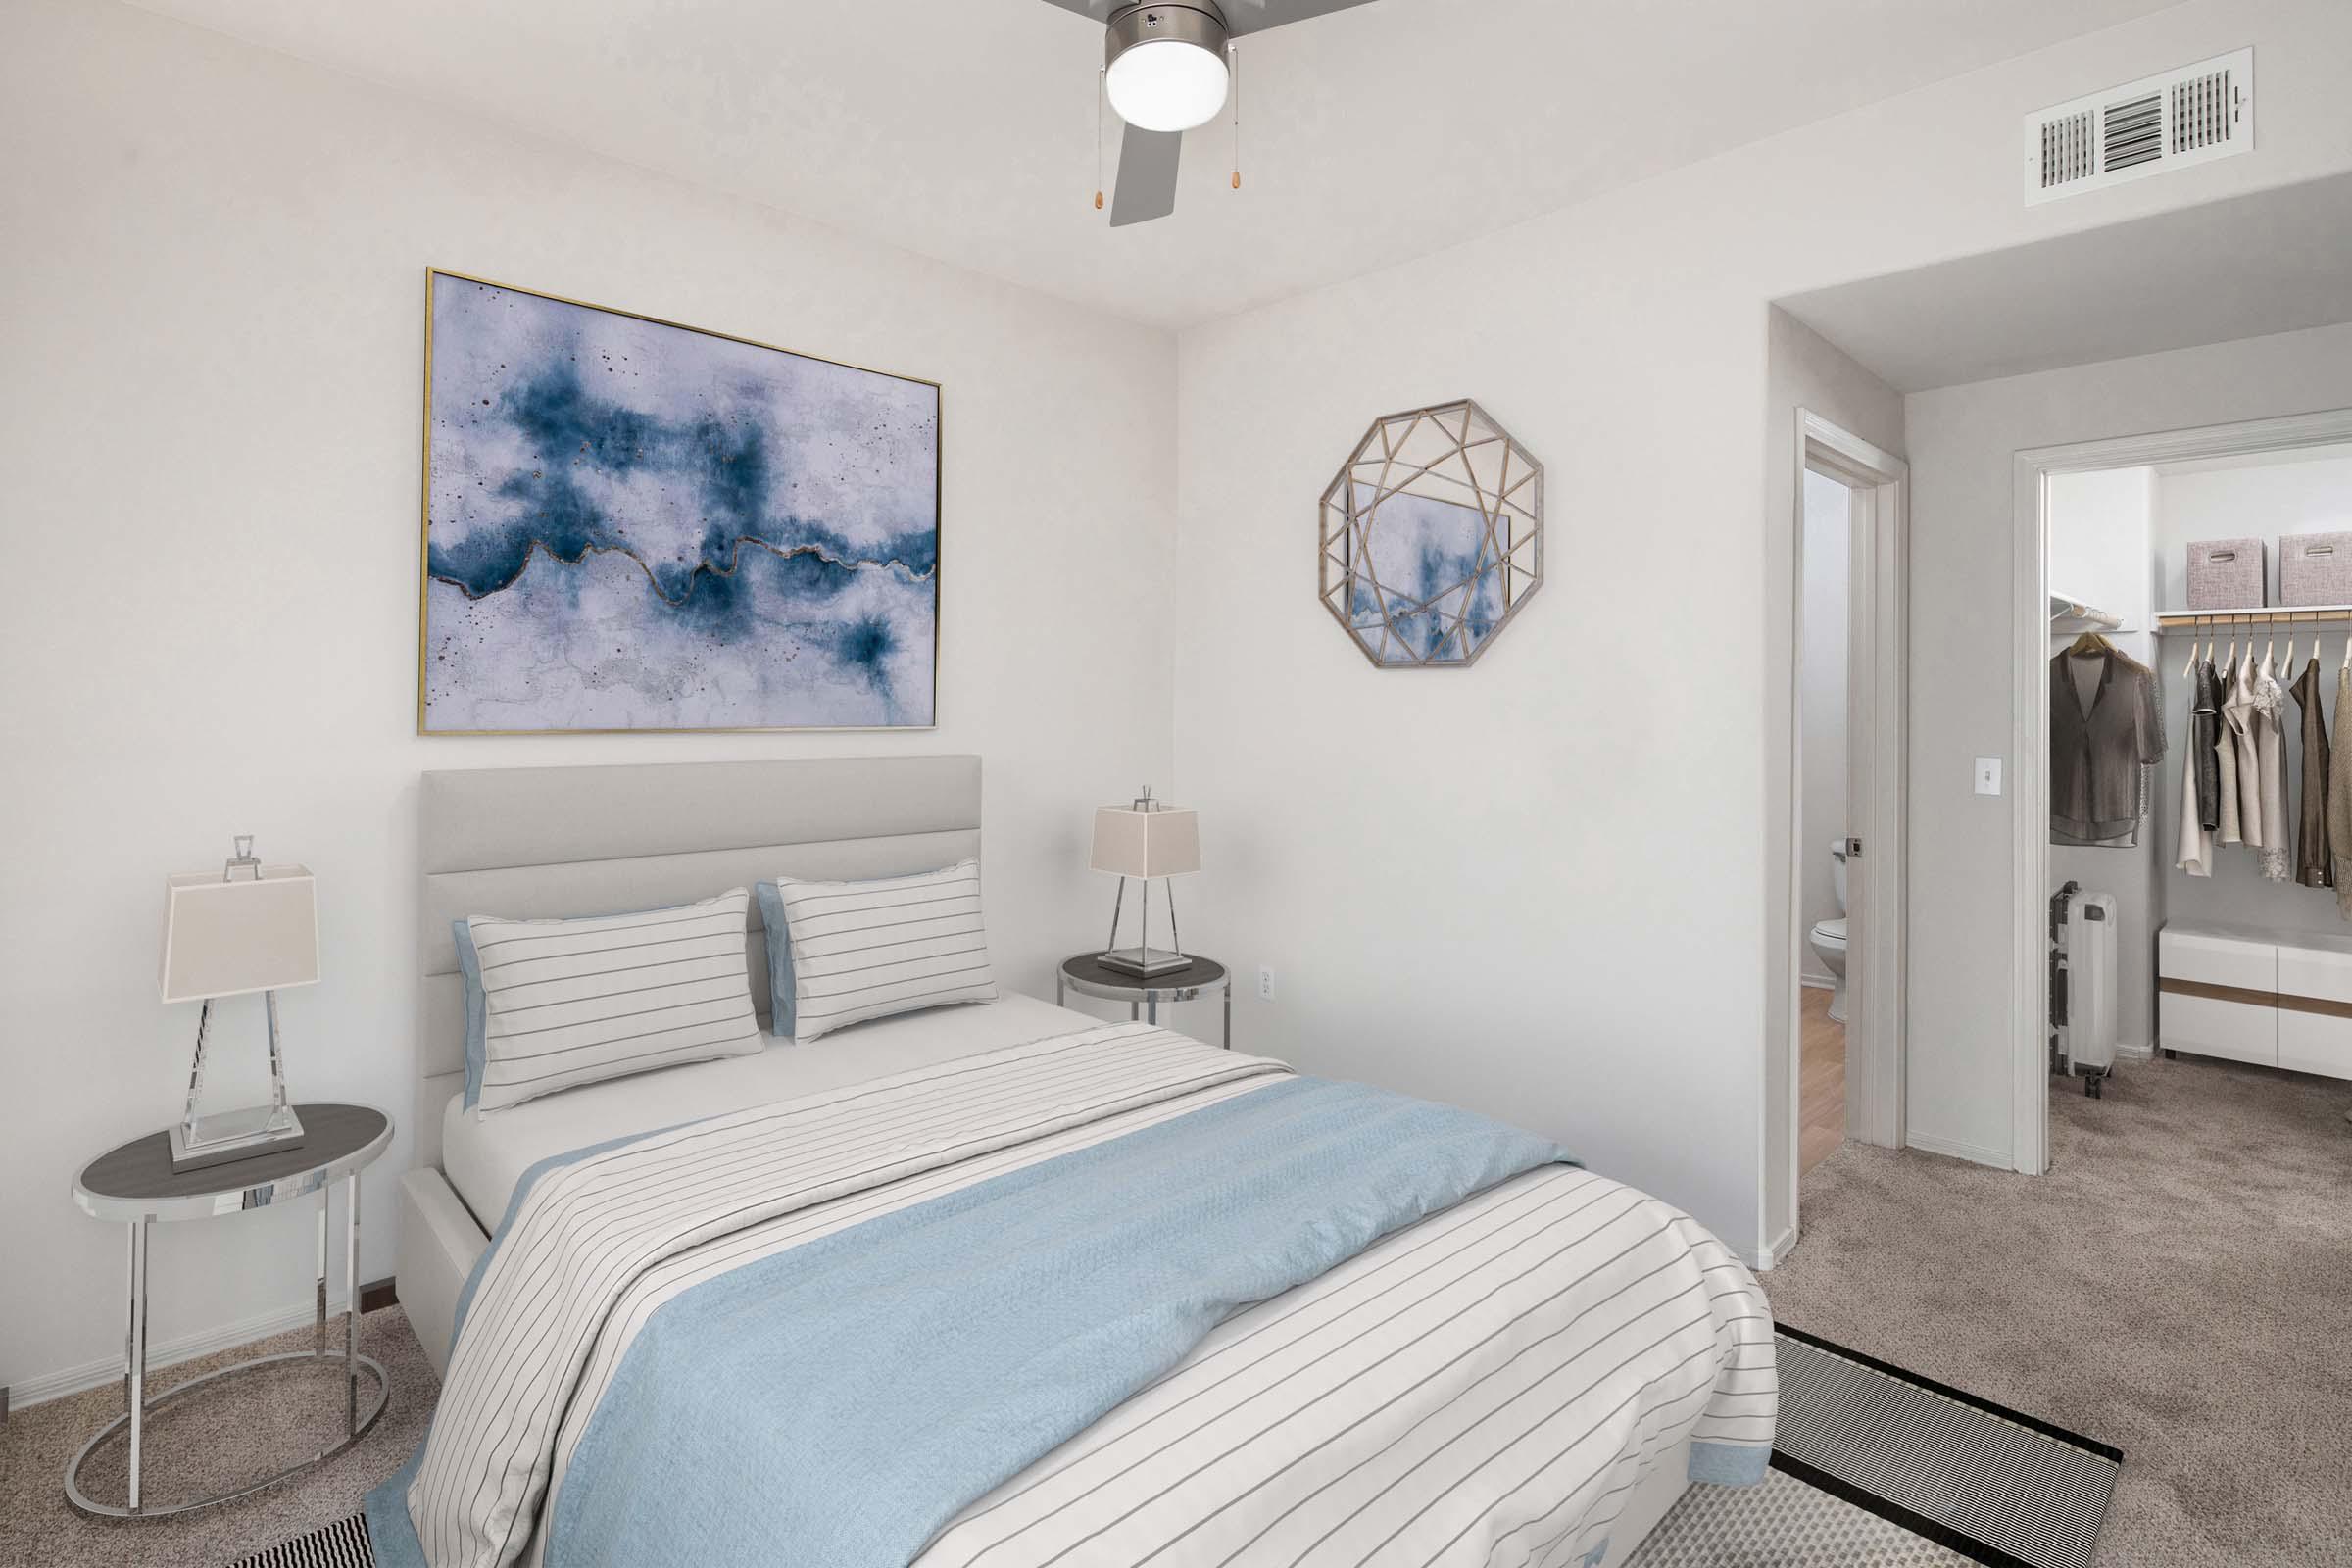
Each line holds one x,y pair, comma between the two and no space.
2188,669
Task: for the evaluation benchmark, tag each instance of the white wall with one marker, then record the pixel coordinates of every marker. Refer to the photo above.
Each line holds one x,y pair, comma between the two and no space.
2267,499
1821,705
2100,551
209,422
1543,887
1963,444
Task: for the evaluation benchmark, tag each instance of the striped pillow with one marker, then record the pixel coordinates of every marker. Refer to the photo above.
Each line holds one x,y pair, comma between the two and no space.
867,949
572,1001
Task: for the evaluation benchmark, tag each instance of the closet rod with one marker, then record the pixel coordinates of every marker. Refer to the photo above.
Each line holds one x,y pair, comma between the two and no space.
2284,615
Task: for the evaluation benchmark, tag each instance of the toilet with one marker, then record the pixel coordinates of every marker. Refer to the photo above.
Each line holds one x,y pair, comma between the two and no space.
1828,936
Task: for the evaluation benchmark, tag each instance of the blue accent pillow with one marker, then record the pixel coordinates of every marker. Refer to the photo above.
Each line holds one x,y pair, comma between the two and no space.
783,995
478,1009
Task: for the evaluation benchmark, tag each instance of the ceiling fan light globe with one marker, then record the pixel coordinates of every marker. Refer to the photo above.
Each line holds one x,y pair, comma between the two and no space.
1167,84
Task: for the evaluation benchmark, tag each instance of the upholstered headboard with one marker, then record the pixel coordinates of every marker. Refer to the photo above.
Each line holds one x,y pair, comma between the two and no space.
540,842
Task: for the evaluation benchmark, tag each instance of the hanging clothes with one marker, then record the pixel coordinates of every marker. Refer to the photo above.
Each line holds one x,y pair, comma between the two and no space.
2106,730
2204,729
2196,837
2240,758
2224,764
2312,865
2269,748
2339,799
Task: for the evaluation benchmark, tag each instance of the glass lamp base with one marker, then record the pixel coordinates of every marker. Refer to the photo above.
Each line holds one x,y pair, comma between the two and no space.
1143,962
232,1135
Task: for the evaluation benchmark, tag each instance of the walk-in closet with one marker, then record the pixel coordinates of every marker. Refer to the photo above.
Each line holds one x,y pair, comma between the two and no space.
2200,854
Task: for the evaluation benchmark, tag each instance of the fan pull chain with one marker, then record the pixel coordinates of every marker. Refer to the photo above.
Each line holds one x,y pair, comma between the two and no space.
1234,50
1101,91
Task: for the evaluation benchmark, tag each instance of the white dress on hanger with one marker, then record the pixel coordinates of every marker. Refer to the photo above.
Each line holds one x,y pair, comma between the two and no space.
2270,749
2196,839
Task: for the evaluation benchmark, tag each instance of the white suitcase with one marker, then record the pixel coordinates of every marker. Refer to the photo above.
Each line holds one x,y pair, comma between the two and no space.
2086,1027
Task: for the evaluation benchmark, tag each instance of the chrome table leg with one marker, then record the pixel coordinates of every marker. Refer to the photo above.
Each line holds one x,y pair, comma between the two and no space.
319,1296
351,1301
134,1353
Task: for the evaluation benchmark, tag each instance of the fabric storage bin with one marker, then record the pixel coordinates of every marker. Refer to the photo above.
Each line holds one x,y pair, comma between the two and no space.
2315,568
2227,574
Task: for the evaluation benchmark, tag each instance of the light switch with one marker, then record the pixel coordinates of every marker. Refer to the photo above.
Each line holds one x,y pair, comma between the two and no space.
1988,775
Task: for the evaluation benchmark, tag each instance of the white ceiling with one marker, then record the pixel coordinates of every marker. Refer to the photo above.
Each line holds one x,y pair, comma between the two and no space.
2247,266
963,129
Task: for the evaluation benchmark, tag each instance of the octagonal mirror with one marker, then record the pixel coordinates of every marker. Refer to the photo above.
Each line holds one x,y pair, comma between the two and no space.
1432,536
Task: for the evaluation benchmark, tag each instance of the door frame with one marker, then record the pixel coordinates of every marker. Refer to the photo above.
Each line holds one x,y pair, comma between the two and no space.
1878,721
2030,796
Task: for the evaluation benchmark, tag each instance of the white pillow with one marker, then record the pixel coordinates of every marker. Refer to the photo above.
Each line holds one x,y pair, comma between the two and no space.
571,1001
868,949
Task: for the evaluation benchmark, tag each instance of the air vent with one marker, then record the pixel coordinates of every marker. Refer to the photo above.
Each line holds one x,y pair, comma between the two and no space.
2190,115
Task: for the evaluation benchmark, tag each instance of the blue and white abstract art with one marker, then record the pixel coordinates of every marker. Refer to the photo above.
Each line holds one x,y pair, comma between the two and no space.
631,525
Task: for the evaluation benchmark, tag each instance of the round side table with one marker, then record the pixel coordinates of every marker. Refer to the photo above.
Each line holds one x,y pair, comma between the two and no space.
1086,975
136,1185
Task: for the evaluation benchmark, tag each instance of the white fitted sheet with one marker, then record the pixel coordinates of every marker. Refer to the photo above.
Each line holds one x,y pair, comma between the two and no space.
485,1155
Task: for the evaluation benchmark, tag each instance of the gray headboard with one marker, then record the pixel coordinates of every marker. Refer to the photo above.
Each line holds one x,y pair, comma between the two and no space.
539,842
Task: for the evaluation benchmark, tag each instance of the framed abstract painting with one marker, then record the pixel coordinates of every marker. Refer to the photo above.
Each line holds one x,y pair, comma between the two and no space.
632,524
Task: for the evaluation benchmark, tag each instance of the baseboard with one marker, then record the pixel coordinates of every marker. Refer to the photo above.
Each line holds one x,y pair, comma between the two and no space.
160,1355
1959,1149
1773,1252
2129,1052
1816,982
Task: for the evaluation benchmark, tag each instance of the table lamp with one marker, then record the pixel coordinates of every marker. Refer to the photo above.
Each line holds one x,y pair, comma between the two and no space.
1145,840
247,927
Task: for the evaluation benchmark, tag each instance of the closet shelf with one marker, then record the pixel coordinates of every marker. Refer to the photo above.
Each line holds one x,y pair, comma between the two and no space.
2171,620
2069,615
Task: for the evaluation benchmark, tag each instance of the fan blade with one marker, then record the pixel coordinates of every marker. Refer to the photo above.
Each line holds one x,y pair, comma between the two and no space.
1256,15
1147,187
1099,10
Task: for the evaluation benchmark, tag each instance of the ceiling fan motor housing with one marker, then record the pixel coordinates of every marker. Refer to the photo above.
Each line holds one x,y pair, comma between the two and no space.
1196,22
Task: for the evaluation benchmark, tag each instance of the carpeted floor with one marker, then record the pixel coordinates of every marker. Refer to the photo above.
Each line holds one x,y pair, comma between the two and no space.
2179,1286
258,1423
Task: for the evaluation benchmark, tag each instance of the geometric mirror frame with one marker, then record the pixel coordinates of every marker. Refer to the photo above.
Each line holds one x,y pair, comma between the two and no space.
1432,537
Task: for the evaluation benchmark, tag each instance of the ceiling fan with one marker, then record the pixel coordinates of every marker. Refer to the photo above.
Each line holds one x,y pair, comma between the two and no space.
1164,69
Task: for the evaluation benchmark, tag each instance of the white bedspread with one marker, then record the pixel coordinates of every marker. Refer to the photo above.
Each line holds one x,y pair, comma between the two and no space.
1487,1386
485,1155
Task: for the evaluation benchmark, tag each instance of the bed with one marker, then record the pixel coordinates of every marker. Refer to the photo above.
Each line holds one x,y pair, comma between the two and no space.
1467,1349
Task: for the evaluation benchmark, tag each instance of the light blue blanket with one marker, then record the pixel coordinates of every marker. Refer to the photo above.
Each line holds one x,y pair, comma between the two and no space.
841,1401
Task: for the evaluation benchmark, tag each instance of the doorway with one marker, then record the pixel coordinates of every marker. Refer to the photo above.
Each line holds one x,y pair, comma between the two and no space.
2042,477
1847,833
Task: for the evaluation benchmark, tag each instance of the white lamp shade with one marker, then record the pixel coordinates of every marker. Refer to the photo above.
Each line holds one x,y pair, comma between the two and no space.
224,939
1151,844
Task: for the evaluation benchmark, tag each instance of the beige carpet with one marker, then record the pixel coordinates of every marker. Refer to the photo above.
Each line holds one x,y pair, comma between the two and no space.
2180,1284
258,1423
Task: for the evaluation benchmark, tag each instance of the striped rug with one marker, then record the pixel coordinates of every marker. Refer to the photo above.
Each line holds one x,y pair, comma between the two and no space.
1877,1467
341,1544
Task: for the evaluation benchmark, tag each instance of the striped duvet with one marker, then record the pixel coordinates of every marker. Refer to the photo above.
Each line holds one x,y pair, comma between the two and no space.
1483,1385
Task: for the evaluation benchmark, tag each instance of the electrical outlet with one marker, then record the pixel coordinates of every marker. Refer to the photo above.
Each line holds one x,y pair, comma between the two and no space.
1265,985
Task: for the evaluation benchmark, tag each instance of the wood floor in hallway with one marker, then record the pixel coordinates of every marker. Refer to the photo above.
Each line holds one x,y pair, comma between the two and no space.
1821,1083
